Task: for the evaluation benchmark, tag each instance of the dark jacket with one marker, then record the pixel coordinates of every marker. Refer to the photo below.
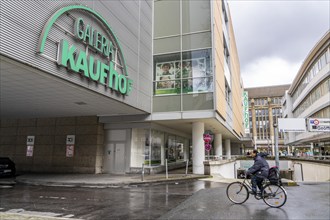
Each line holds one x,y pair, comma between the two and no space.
260,167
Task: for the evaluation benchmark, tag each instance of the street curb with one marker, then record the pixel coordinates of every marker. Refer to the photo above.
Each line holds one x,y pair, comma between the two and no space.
108,185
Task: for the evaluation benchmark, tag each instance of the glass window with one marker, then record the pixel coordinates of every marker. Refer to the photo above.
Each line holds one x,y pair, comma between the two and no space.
166,103
196,16
199,101
166,19
167,45
196,41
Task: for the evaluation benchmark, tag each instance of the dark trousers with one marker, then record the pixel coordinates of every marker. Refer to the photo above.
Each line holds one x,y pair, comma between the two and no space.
256,181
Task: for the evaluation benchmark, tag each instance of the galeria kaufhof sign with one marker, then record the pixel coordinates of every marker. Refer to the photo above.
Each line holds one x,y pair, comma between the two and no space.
104,53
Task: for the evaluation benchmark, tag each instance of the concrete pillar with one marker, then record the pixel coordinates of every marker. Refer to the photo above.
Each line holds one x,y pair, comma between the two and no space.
227,146
198,151
218,145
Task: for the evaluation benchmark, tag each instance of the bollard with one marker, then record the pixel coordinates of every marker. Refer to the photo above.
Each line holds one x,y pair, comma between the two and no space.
166,168
187,165
142,173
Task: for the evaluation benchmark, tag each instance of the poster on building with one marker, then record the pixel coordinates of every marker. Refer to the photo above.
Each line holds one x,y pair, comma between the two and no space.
69,150
29,151
190,74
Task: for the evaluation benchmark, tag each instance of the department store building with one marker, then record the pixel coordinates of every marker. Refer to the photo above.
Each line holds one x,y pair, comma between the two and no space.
309,97
106,86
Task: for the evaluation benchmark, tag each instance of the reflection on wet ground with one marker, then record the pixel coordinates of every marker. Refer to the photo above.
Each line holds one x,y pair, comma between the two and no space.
134,202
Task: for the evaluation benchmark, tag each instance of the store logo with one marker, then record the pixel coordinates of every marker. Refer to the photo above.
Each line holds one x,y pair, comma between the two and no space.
104,56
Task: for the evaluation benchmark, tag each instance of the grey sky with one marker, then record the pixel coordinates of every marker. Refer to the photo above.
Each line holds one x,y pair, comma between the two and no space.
274,37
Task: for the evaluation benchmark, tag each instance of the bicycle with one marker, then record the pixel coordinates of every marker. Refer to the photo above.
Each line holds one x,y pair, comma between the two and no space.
273,194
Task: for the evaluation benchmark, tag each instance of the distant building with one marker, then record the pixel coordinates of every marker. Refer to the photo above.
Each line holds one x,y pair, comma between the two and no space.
309,97
264,110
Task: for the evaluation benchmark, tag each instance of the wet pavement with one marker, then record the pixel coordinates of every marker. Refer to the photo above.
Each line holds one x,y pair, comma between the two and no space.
129,202
128,197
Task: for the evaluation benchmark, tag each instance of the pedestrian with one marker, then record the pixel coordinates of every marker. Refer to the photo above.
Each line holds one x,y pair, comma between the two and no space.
259,170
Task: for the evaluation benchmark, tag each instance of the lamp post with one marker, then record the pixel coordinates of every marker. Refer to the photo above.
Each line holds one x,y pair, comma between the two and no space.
277,162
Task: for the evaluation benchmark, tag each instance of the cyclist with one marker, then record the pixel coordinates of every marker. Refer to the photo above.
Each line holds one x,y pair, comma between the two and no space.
259,170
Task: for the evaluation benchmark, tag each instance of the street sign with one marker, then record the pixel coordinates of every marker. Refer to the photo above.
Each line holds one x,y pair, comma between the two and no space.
292,124
319,124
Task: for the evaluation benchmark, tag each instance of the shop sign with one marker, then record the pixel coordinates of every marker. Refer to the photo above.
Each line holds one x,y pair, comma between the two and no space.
319,124
101,70
246,112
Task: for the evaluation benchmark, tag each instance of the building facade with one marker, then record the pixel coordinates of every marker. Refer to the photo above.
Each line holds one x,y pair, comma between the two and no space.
265,107
111,86
309,98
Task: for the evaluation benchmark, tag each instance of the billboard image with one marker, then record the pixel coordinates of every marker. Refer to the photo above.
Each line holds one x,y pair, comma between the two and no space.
191,75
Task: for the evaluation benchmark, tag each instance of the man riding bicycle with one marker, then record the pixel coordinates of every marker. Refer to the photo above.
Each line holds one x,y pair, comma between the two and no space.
259,170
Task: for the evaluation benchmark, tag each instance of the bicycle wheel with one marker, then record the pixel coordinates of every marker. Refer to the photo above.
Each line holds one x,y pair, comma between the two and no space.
274,195
237,192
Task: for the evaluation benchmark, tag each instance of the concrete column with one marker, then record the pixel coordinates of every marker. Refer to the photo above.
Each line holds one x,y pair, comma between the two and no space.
218,145
198,151
227,146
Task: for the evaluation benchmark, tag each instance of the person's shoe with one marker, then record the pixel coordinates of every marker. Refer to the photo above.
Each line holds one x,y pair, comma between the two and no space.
252,192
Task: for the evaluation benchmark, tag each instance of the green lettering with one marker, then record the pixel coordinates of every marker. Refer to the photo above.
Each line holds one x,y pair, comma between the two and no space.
87,34
66,54
105,49
82,63
104,74
113,77
94,74
98,41
129,86
78,32
122,84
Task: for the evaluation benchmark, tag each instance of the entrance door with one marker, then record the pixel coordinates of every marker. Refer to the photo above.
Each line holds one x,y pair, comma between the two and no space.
114,158
119,151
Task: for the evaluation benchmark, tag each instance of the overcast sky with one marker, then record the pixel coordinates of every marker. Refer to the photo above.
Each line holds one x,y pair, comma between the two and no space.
274,37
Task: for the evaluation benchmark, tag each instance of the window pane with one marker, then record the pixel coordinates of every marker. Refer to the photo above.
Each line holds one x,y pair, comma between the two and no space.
196,16
167,45
166,18
199,101
196,41
166,103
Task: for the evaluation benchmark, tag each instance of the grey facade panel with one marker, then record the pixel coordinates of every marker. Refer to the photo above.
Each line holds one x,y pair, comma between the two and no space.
23,21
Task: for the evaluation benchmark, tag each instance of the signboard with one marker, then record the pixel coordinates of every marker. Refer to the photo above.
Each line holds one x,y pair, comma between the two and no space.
292,124
30,140
101,59
70,139
318,124
69,150
246,112
29,150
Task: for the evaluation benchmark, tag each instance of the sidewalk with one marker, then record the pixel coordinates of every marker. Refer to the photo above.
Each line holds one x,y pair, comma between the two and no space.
111,180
